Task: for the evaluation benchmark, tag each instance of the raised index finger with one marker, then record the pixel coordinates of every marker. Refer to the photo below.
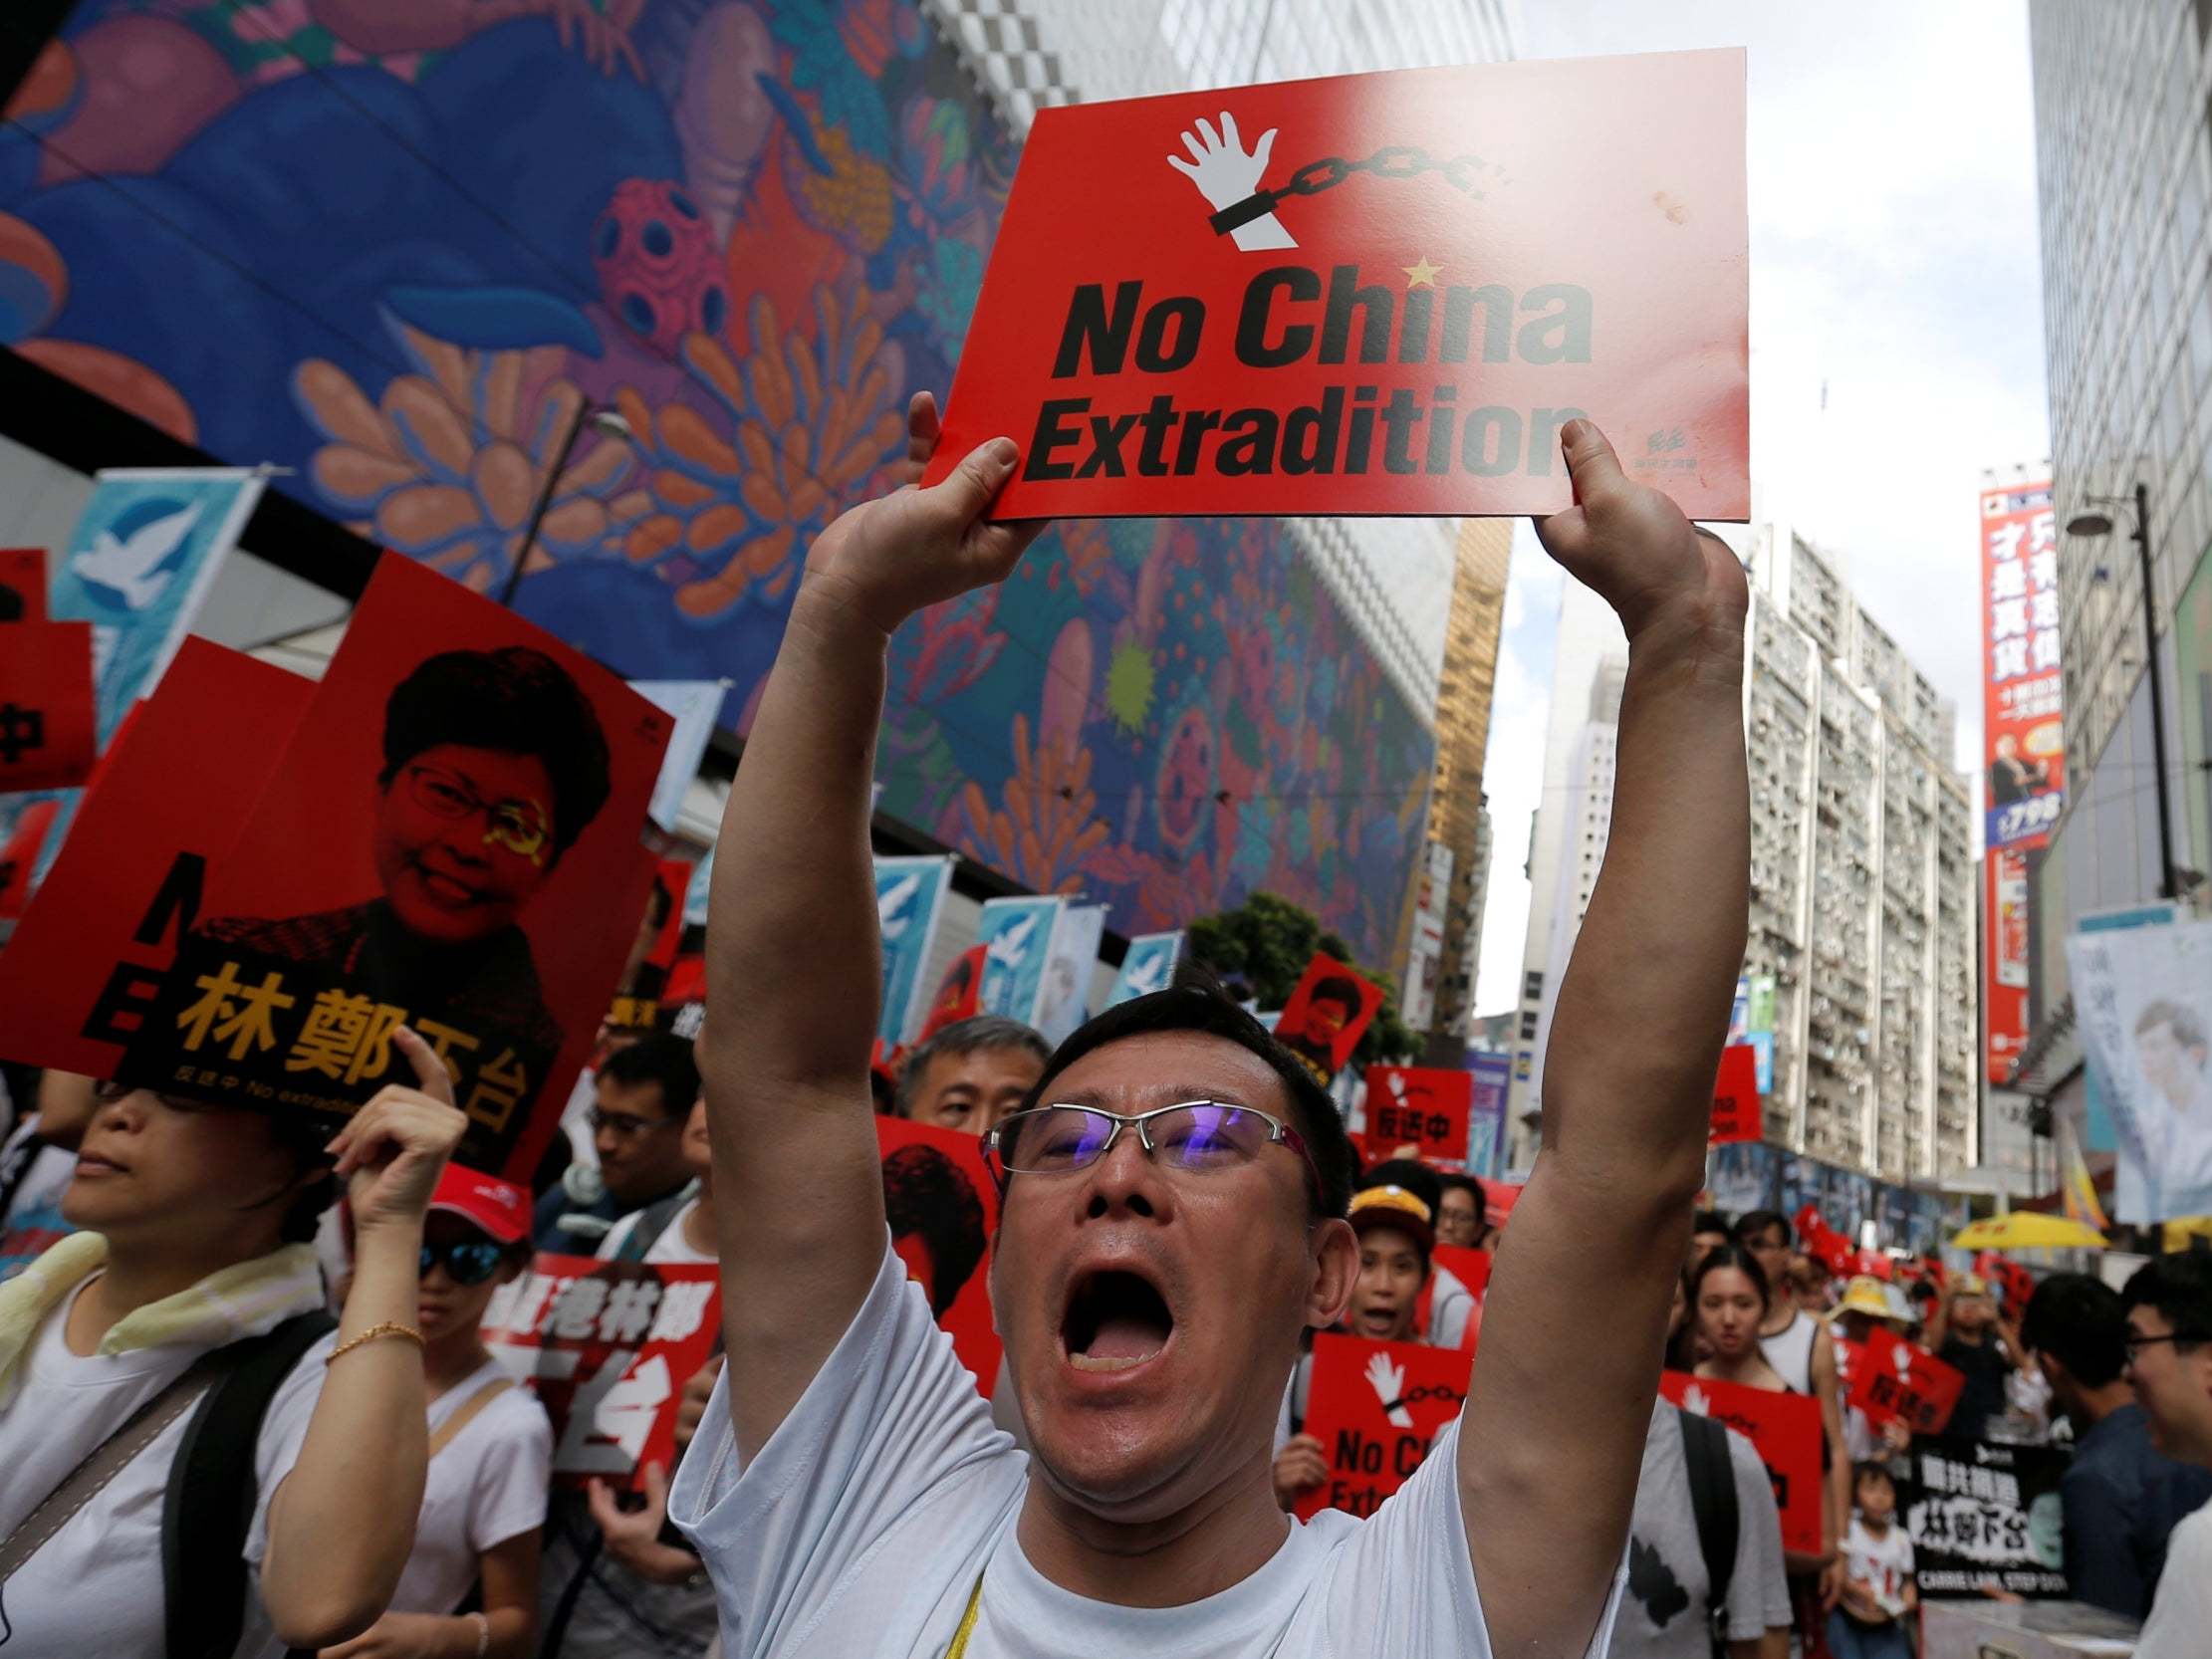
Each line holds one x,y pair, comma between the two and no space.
430,1074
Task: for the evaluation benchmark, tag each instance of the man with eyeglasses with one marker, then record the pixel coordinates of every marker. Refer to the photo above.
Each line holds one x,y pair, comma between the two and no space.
493,765
642,1098
1173,1213
2169,1361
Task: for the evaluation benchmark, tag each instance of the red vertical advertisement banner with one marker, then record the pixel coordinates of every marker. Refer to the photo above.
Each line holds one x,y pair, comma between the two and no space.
2024,761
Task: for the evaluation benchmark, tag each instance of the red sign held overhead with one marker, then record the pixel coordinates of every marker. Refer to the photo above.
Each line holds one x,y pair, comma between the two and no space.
1785,1431
1375,1407
46,705
1328,1010
21,855
1736,1114
943,1206
1425,1106
609,1346
959,994
1371,293
1894,1379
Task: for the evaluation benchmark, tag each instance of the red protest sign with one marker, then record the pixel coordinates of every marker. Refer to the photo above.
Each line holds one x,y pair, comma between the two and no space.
1370,294
20,856
664,910
1850,1361
46,705
449,840
607,1346
959,994
1375,1407
1736,1114
944,1208
1328,1010
82,972
22,584
2014,1281
1785,1429
1896,1379
1428,1106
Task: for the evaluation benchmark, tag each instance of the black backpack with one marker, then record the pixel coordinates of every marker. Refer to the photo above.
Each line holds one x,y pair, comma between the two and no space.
1713,1497
208,1507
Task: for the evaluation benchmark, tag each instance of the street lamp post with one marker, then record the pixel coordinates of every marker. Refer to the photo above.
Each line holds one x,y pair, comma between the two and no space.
604,421
2101,523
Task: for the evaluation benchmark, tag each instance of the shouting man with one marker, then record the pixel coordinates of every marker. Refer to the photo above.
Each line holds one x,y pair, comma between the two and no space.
1175,1204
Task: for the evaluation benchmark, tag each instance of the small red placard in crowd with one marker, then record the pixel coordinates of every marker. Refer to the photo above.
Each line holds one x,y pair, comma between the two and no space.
1375,1407
1896,1379
943,1208
21,855
1736,1114
607,1346
959,994
1328,1010
1470,1266
1785,1429
1427,1106
46,705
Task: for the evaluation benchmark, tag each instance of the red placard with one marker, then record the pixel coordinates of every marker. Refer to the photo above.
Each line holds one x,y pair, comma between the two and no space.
46,705
1328,1010
21,855
22,584
959,994
609,1346
1850,1361
2014,1282
1736,1114
1896,1379
1785,1431
1427,1106
1371,293
1823,1243
82,968
1375,1407
673,880
944,1208
452,839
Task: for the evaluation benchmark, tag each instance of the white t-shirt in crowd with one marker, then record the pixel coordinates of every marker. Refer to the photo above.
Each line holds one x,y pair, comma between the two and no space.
887,1496
486,1486
1883,1565
2182,1612
96,1585
671,1249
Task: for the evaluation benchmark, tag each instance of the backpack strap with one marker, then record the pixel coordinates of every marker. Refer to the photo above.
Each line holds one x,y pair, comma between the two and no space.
1713,1496
653,1220
208,1507
465,1413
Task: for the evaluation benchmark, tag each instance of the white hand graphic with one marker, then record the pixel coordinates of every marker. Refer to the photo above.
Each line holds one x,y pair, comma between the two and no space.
1388,1382
1226,175
1696,1401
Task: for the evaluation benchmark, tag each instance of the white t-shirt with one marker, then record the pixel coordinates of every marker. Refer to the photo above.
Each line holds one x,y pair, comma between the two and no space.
671,1249
486,1486
864,1524
1883,1565
96,1585
2182,1612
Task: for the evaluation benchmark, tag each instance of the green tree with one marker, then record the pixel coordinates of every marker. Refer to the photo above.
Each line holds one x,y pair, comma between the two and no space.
1259,950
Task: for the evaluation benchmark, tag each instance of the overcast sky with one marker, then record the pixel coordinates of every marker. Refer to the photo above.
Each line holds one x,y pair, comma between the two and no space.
1894,259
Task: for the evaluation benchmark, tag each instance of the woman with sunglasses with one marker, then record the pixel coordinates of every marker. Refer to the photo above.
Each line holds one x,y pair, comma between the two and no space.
490,1447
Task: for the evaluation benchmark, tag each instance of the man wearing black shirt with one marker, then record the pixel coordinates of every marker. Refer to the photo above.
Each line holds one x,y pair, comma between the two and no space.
1973,1339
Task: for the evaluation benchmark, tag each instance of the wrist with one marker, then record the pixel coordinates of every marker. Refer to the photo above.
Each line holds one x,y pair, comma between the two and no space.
832,612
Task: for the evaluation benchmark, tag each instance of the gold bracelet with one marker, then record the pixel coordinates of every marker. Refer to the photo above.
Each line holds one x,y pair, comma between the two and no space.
389,1327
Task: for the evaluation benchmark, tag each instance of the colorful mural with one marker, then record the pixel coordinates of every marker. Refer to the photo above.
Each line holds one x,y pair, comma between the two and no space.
397,247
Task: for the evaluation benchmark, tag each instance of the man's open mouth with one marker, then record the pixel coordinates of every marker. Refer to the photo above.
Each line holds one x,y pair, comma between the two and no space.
1115,1321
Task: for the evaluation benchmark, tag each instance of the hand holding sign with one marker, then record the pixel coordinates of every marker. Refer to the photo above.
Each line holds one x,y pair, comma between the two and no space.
1664,576
391,1152
887,559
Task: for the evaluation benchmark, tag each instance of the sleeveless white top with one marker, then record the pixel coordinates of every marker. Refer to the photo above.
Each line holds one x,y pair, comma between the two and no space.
1790,1352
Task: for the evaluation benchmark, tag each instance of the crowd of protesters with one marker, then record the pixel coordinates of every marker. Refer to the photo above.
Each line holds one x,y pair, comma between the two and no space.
246,1405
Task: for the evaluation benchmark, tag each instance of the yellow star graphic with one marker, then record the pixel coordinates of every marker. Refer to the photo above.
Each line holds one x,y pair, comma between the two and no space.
1424,274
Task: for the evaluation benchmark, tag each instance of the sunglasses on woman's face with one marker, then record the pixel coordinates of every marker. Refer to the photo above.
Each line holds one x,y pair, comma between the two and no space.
466,1260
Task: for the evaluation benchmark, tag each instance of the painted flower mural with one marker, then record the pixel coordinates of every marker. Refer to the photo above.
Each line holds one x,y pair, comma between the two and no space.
752,227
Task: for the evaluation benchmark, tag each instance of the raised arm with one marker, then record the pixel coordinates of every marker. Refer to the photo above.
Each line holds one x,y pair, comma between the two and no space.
794,966
1576,1310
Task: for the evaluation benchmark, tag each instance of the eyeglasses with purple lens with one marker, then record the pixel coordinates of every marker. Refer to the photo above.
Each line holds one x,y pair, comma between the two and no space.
1198,1136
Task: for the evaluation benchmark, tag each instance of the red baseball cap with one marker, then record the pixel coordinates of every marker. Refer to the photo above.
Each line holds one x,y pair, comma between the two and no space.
500,1208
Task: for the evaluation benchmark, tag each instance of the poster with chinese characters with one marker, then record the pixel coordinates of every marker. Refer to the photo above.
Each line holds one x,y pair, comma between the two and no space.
607,1346
1893,1378
450,841
1426,1107
1371,293
2023,735
81,973
1986,1518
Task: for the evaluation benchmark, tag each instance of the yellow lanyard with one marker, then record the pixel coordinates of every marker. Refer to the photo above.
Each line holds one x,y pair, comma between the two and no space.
960,1636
